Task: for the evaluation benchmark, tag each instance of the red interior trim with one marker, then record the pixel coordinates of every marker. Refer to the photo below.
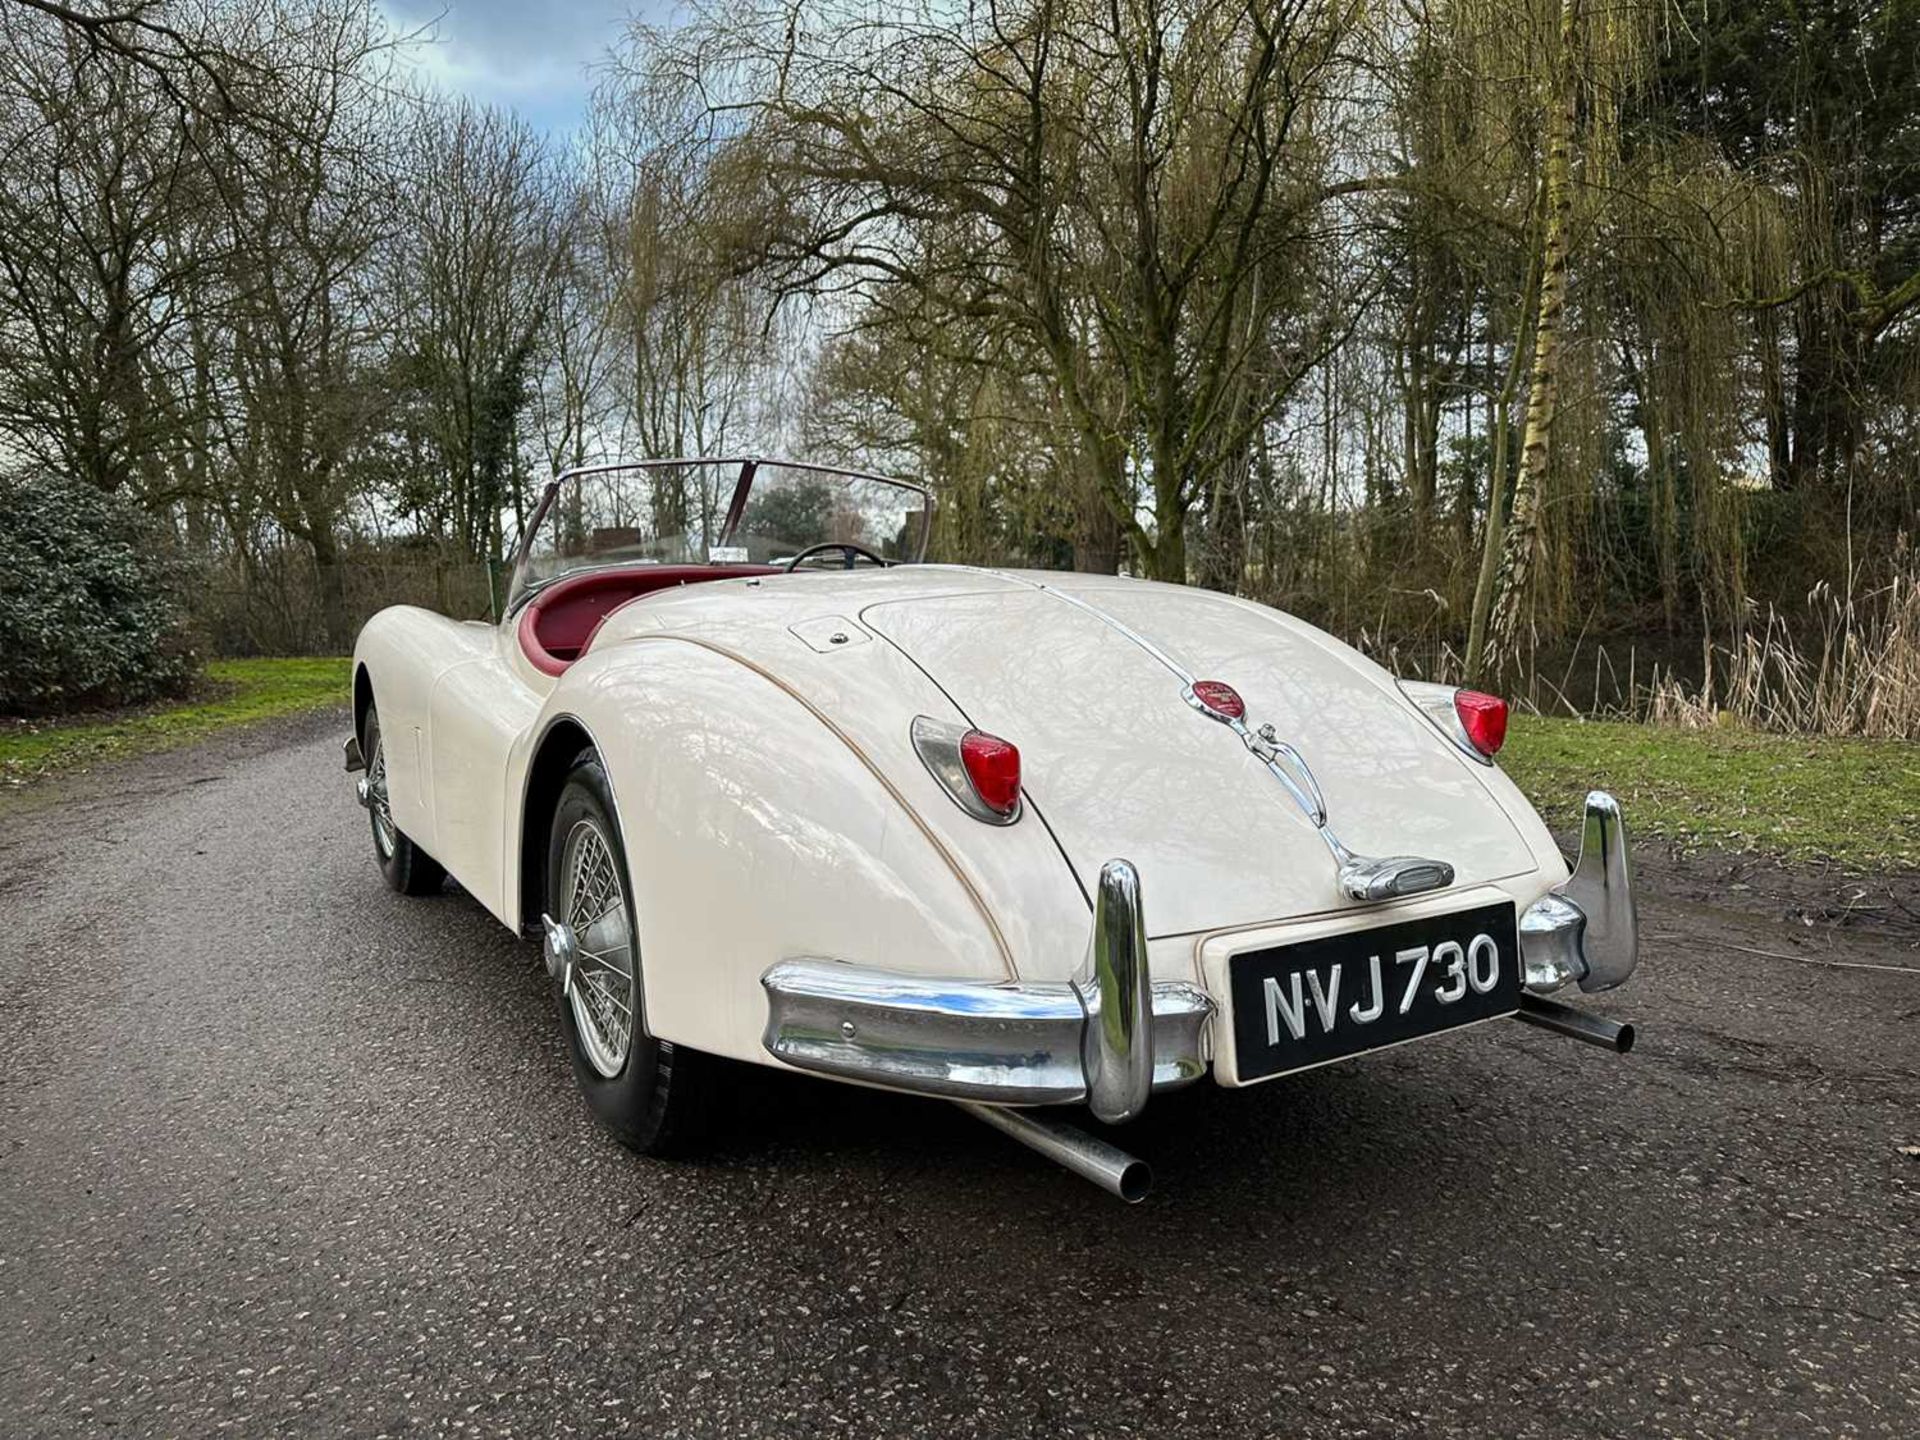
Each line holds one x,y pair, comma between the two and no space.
559,624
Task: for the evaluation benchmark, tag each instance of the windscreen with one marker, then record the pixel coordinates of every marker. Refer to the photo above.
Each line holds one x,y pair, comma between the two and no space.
677,512
790,509
667,514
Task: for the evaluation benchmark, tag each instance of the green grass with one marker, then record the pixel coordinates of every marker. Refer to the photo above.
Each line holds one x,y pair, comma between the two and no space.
239,691
1856,801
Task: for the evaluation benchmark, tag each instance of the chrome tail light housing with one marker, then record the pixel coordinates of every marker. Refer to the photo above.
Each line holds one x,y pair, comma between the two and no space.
980,771
1474,721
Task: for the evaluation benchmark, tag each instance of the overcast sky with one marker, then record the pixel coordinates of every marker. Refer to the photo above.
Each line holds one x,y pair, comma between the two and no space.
530,54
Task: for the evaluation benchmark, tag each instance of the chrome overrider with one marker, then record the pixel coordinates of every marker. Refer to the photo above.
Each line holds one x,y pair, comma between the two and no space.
1110,1037
1117,1042
1586,929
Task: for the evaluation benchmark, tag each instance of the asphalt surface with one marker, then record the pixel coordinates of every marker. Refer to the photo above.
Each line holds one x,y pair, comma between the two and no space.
282,1152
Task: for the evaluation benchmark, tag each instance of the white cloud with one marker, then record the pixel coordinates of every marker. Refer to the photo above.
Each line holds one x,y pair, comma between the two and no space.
532,56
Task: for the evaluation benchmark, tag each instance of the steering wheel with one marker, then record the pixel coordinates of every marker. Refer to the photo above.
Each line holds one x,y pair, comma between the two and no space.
851,551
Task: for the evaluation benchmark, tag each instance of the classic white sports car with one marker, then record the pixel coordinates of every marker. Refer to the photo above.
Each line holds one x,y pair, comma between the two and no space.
768,792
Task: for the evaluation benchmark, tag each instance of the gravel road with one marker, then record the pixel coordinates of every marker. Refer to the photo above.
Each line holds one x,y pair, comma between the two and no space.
282,1152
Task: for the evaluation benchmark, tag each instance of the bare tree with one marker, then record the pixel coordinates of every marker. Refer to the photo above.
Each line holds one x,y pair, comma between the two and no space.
305,320
1572,52
697,349
97,240
572,408
1129,188
169,45
474,270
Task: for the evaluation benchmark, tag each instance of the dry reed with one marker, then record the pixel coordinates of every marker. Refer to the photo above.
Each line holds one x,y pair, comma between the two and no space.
1857,672
1852,667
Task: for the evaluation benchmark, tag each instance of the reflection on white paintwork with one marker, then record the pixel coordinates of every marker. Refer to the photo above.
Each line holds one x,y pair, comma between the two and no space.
1119,764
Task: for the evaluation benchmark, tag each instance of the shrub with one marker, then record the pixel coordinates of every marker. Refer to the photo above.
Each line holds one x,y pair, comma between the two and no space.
89,606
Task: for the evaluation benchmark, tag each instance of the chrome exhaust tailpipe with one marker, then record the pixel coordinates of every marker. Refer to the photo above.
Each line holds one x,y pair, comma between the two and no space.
1107,1166
1565,1020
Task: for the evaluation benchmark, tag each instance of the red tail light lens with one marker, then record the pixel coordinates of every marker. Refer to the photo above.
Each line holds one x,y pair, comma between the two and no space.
993,768
1220,699
1484,718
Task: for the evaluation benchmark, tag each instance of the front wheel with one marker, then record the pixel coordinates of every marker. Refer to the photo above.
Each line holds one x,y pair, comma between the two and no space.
652,1094
408,868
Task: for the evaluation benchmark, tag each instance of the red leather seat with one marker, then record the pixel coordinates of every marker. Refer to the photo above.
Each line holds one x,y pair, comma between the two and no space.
559,623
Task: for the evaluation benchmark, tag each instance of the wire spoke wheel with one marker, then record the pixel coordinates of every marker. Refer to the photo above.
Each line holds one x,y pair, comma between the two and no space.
653,1094
594,906
384,835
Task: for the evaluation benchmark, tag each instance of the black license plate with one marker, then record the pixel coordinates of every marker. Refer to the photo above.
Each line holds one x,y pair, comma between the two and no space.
1320,1000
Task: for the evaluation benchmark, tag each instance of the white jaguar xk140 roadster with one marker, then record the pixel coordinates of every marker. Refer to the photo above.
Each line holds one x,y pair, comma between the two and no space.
768,792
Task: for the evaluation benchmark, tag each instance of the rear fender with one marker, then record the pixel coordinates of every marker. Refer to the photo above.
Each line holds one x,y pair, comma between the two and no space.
400,654
756,832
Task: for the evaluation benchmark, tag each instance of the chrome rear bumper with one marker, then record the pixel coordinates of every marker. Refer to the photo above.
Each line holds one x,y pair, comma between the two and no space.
1588,928
1110,1037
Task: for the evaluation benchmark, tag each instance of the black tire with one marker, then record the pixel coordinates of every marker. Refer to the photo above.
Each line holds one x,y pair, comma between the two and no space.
408,868
661,1100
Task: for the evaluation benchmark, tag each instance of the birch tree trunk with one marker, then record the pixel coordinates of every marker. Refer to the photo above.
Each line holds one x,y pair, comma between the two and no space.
1500,428
1543,388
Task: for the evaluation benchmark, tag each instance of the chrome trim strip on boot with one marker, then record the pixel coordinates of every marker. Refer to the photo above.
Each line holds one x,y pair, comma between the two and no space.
1266,746
1586,929
1363,878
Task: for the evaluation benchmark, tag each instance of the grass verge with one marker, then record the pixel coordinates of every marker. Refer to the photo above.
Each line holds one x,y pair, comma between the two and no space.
1855,801
239,691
